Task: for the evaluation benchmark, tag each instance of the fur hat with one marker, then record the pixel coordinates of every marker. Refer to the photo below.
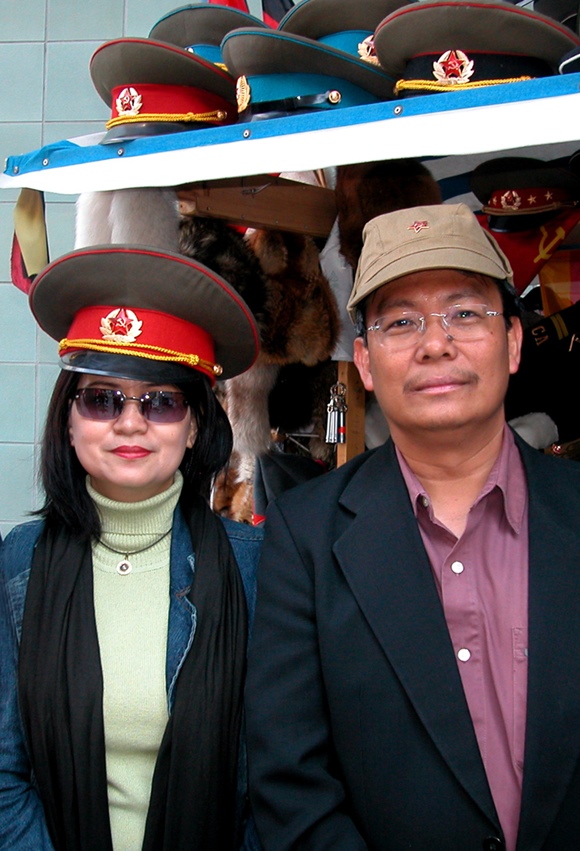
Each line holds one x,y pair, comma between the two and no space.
366,190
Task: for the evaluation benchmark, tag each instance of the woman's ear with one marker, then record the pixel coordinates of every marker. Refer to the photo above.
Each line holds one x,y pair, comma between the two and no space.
192,433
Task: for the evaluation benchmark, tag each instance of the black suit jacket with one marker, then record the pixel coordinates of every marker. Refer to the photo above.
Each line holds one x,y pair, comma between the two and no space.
358,730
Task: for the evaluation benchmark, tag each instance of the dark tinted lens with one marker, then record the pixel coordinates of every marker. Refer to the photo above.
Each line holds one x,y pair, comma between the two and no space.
164,406
96,403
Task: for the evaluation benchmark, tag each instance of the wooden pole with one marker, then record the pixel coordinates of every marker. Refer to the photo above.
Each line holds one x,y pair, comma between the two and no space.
355,415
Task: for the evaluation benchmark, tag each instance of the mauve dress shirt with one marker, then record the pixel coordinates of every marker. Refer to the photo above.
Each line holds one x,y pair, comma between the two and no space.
482,579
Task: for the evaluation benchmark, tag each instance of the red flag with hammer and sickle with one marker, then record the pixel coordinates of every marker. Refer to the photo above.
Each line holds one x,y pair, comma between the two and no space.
529,250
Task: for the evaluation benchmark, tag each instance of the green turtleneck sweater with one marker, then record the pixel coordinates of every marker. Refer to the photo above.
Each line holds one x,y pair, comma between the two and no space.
131,611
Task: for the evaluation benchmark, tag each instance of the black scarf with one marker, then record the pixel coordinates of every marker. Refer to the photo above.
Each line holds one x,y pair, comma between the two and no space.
60,684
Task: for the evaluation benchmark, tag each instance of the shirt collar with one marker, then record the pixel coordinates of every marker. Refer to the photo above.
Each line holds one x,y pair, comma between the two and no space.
507,474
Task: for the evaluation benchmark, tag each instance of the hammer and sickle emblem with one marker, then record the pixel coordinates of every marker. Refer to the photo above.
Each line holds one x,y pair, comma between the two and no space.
547,249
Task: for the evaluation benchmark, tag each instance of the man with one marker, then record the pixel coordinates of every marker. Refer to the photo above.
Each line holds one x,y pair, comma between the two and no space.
391,700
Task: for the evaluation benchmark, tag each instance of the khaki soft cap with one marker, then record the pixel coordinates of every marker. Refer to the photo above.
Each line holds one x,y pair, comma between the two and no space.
443,236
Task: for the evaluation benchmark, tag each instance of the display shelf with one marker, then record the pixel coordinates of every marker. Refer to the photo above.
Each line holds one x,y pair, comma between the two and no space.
540,112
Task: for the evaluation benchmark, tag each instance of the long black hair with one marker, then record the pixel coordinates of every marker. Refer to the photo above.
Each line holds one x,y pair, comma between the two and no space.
63,478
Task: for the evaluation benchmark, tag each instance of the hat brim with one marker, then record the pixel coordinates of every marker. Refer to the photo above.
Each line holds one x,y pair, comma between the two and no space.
493,27
137,277
520,173
134,130
130,61
127,366
251,51
519,222
453,256
317,18
201,24
570,61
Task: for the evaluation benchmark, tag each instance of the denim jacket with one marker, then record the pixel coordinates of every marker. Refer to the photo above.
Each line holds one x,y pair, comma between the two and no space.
22,823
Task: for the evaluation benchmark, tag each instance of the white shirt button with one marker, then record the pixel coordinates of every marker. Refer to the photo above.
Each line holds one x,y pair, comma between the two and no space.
425,501
457,567
463,655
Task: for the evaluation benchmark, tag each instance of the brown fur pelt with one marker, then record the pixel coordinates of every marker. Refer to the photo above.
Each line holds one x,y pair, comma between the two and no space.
366,190
302,323
233,493
279,276
222,248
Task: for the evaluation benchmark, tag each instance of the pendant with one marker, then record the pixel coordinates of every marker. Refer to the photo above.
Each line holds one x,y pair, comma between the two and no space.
124,567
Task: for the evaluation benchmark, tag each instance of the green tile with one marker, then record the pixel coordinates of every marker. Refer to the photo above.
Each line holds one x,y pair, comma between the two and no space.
6,232
56,131
60,226
69,20
70,94
46,349
26,17
23,65
18,383
143,14
17,327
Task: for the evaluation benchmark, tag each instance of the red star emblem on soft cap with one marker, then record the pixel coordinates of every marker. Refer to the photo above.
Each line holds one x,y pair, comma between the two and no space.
417,226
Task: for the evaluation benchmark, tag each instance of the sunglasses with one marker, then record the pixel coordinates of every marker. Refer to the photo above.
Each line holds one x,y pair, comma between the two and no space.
157,406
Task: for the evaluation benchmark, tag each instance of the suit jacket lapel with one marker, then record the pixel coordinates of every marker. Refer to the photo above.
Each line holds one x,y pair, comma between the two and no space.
553,711
383,559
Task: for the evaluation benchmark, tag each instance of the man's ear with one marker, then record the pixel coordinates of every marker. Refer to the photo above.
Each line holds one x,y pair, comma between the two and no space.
515,338
362,361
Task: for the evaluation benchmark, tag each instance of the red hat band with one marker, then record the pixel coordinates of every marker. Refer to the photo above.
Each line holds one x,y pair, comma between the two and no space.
153,102
143,333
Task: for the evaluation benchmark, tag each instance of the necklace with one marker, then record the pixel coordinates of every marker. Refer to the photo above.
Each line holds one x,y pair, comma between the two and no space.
124,567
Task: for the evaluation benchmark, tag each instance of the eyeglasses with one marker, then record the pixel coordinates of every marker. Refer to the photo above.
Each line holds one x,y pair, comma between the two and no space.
157,406
399,329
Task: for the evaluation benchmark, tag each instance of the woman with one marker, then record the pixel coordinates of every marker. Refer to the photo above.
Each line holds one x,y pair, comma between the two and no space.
123,617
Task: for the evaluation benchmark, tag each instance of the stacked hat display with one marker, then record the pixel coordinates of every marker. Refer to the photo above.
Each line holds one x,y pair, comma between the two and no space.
154,87
174,80
201,27
519,193
206,65
319,58
452,45
531,206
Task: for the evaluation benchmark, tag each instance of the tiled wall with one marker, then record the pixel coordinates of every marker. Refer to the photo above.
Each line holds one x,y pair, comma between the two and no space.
46,95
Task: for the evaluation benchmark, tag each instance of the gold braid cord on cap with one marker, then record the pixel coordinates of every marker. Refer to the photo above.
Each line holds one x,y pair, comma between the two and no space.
153,353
